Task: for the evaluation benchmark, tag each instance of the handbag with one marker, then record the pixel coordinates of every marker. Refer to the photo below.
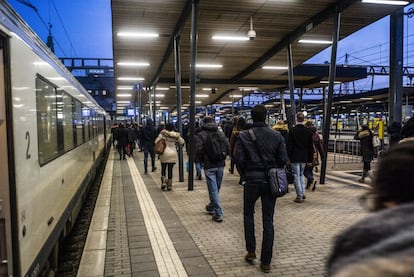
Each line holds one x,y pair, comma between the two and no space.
160,146
276,176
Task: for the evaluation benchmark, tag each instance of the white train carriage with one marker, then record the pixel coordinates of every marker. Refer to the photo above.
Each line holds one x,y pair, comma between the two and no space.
52,137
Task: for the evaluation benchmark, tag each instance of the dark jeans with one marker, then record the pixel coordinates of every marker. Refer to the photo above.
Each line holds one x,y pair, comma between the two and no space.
164,167
252,191
367,165
308,173
151,151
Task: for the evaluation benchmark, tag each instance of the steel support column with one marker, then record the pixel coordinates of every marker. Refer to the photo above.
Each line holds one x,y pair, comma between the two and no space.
154,108
327,117
193,73
292,117
396,66
179,96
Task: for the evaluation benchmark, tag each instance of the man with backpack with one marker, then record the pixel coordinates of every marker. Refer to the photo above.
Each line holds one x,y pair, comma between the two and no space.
253,156
212,147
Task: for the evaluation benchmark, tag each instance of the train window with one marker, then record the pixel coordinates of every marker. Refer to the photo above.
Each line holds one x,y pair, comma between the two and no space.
86,112
46,121
68,107
77,118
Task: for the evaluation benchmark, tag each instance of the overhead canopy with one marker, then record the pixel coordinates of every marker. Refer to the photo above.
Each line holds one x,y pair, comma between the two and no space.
276,23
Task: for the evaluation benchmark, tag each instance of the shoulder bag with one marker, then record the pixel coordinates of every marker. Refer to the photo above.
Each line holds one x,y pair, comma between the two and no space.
276,176
160,146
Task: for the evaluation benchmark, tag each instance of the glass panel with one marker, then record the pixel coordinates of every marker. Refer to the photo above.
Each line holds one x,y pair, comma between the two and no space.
46,121
77,118
68,137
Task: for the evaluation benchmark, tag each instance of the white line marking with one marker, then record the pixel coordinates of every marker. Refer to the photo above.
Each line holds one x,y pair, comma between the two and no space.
166,257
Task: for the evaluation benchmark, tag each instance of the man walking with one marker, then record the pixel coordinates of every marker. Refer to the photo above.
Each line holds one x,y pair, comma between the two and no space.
300,152
251,167
212,147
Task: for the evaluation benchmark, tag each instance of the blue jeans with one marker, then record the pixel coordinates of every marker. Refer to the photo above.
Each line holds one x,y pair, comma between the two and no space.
198,169
252,191
214,177
308,173
298,169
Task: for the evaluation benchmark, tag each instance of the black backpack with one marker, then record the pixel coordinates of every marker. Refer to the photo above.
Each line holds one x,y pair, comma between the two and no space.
215,146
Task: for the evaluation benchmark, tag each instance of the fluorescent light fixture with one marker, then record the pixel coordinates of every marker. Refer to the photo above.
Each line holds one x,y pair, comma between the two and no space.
124,87
226,102
248,88
235,95
271,67
207,89
202,65
123,102
269,106
231,38
198,102
201,95
314,41
159,95
386,2
137,35
123,95
133,64
327,82
186,87
130,79
345,101
161,88
366,98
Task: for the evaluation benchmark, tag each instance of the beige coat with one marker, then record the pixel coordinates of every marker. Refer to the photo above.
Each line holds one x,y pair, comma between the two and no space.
172,139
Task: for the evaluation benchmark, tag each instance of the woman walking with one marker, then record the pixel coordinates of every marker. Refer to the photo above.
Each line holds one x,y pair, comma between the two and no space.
169,157
367,149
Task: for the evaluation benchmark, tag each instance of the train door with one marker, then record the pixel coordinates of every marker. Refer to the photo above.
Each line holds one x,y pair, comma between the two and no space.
6,173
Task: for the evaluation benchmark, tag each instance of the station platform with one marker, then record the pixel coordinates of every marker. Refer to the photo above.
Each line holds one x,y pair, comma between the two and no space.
139,230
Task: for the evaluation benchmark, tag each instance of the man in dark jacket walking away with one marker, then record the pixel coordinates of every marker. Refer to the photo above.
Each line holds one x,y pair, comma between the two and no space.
251,167
149,135
121,136
212,147
300,151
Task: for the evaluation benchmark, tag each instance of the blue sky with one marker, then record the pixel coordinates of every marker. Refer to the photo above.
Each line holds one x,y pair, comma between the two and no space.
86,29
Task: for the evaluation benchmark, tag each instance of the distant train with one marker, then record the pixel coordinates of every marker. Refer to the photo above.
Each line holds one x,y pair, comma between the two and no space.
53,136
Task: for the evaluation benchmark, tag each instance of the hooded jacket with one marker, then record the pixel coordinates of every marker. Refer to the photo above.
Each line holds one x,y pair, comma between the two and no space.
201,149
171,140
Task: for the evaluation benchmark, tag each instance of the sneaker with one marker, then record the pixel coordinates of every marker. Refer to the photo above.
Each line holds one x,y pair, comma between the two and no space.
250,257
217,218
298,200
265,268
154,168
209,208
304,197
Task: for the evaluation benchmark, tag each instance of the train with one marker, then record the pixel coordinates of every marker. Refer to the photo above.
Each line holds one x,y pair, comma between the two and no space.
53,138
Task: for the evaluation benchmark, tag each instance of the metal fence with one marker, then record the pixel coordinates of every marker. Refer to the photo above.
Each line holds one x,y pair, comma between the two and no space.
345,151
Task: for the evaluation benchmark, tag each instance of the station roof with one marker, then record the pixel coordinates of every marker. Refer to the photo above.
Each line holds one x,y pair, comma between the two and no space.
277,24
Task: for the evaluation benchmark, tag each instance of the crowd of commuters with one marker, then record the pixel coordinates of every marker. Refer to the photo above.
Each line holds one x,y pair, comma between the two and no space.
299,147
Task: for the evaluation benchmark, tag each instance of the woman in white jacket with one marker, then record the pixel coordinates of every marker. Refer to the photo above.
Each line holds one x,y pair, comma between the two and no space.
169,157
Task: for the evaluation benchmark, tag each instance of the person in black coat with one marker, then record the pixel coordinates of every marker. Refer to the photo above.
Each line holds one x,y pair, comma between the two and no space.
300,151
365,136
121,136
251,165
394,132
149,134
383,243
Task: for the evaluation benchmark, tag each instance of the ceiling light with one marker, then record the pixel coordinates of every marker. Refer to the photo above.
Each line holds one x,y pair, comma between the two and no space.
327,82
186,87
137,35
248,88
231,38
123,95
366,98
201,65
197,102
275,67
345,101
161,88
314,41
236,95
386,2
124,87
226,102
202,95
130,79
123,102
133,64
